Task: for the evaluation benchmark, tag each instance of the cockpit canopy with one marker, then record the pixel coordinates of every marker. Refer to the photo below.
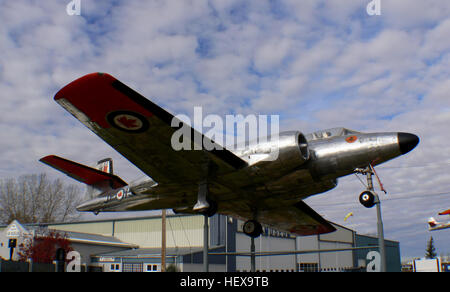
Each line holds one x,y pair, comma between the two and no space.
328,133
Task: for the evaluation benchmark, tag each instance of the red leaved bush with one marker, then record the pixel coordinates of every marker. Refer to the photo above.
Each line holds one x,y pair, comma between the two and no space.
42,248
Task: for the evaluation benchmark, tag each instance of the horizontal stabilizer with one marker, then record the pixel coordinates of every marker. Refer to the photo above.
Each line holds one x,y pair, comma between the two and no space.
82,173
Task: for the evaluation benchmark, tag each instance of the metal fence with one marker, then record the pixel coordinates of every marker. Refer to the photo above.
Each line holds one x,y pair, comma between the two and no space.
13,266
10,266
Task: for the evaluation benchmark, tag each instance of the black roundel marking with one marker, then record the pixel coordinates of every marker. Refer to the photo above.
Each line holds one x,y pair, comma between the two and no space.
128,121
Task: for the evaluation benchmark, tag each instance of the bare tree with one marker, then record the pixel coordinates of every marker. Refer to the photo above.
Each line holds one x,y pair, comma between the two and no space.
36,199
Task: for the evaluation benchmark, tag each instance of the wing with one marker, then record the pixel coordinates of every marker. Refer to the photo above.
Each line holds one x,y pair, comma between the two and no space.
83,173
141,130
298,219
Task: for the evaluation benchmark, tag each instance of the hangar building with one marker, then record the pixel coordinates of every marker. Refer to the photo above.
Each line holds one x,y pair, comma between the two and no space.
134,244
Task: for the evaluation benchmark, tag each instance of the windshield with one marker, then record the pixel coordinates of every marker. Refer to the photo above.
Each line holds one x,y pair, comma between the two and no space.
328,133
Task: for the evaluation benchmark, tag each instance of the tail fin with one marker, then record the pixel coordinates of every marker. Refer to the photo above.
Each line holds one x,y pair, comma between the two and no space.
92,191
105,165
432,222
98,180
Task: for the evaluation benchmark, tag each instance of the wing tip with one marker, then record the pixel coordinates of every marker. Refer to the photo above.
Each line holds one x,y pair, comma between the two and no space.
82,79
323,226
46,159
313,230
328,229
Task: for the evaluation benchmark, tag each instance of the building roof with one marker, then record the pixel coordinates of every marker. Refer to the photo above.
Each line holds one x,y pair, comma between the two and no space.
15,229
96,239
126,217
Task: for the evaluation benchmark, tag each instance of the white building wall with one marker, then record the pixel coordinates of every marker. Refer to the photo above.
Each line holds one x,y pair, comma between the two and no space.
342,238
185,231
335,261
266,243
181,231
13,230
186,267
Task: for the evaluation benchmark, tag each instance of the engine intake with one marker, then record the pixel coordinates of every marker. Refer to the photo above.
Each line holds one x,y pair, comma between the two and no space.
278,155
293,149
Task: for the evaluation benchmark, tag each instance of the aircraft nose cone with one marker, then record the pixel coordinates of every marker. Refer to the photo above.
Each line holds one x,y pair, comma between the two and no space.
407,142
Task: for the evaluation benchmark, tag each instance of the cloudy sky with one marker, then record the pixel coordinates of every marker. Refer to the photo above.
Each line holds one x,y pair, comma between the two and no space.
317,64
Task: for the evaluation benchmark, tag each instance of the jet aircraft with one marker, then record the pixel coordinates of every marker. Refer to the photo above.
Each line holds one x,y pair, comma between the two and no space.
220,180
434,225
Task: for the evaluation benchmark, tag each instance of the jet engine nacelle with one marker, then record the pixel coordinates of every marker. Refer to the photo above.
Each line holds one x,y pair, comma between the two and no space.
277,155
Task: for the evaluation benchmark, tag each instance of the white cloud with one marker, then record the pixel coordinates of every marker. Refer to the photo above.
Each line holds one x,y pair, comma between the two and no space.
271,54
414,14
435,42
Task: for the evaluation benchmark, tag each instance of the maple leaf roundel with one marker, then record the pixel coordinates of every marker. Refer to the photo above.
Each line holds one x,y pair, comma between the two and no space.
128,121
351,139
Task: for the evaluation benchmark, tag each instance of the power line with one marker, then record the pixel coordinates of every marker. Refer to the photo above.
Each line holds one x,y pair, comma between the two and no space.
173,235
417,196
416,166
404,197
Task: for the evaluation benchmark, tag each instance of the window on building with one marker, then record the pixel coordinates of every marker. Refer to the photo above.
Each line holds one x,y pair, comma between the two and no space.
151,268
132,267
308,267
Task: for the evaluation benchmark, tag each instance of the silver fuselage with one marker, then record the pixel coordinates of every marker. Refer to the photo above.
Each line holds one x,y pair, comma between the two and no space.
300,167
438,225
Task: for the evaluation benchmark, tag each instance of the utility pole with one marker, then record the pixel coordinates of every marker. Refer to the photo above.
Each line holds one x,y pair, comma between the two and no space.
380,234
252,256
163,240
379,221
205,244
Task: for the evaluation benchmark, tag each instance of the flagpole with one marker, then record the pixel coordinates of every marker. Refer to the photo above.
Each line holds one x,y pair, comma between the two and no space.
163,240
